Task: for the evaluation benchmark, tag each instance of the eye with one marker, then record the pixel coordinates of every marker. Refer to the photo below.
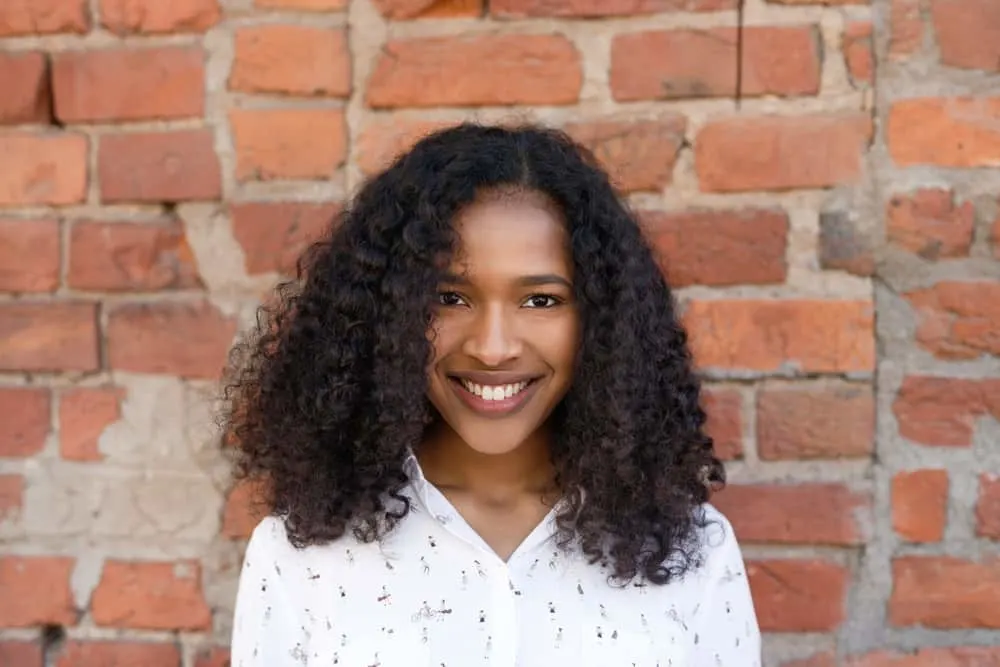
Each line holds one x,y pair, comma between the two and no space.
450,299
542,301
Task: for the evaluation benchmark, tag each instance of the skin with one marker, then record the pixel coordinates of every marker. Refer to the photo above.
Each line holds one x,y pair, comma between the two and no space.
497,315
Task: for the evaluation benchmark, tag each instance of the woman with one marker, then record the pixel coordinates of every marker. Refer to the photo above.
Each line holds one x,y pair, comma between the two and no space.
480,434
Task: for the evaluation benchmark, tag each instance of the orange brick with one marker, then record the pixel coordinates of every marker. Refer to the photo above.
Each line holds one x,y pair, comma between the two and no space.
638,155
988,507
27,97
29,255
719,247
306,144
124,256
968,33
21,654
84,414
943,411
809,422
11,503
151,596
291,59
807,513
956,656
930,224
274,234
302,5
44,168
245,507
945,593
781,152
212,657
920,505
127,84
946,132
768,336
600,8
724,408
184,339
76,653
48,337
958,320
42,17
26,422
35,591
694,63
906,28
476,70
171,166
798,595
418,9
857,47
383,141
154,16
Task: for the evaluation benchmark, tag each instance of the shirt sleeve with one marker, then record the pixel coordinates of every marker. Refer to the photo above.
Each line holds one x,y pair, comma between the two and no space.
727,632
266,627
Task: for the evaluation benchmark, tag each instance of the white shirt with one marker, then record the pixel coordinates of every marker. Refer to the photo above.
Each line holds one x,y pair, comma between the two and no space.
433,594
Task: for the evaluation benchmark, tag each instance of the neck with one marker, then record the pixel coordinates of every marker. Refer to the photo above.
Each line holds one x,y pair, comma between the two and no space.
450,464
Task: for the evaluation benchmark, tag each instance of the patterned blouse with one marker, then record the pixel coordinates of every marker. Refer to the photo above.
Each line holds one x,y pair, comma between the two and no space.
433,594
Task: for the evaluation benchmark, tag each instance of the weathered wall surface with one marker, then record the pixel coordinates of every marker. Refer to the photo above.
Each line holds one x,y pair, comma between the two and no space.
835,239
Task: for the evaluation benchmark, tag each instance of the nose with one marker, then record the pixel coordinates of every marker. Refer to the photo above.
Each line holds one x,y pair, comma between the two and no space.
493,338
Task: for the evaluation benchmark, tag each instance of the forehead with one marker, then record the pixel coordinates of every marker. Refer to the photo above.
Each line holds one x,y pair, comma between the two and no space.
517,233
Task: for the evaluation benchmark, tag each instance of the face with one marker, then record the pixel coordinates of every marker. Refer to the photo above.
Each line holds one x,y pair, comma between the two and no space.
506,326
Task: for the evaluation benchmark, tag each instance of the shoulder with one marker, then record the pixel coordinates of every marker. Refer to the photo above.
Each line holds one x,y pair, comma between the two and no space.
720,549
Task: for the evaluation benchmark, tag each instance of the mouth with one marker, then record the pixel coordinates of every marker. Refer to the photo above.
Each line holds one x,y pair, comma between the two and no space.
494,400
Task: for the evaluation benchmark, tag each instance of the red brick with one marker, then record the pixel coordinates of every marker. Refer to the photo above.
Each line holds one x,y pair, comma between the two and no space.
943,411
26,422
35,591
857,47
169,166
928,223
184,339
600,8
291,59
694,63
808,513
84,414
244,509
27,97
988,507
213,657
42,17
843,245
724,408
771,336
906,28
968,33
719,247
11,501
818,660
920,505
15,653
476,70
420,9
305,144
945,593
48,337
154,16
639,155
125,256
947,132
798,595
381,142
29,255
43,168
829,3
273,235
958,320
808,422
118,654
961,656
781,152
151,596
302,5
127,84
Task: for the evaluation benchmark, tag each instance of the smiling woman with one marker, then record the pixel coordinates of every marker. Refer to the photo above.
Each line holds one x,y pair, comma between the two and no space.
480,432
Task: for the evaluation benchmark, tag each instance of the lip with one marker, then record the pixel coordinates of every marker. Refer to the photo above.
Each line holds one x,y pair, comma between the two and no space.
495,409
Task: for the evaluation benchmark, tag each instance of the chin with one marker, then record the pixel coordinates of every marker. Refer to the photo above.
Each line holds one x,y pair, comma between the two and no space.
491,443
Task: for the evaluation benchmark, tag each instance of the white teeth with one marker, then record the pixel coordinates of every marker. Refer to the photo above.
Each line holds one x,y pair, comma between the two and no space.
494,392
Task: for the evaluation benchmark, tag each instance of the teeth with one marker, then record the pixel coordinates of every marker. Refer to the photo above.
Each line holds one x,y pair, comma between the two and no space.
494,392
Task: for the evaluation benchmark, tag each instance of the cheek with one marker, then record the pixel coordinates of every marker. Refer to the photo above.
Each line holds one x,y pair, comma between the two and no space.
560,343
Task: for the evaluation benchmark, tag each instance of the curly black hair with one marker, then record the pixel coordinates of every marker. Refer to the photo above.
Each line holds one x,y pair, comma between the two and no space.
319,397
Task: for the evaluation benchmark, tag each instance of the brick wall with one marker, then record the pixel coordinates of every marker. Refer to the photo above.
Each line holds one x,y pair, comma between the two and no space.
836,240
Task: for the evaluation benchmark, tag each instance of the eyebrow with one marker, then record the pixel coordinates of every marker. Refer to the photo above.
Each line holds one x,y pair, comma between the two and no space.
525,281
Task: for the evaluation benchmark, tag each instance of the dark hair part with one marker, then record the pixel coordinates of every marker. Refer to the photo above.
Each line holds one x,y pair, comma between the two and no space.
320,398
